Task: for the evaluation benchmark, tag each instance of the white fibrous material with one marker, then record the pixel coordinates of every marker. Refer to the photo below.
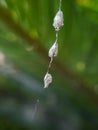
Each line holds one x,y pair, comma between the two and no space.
53,50
58,20
47,80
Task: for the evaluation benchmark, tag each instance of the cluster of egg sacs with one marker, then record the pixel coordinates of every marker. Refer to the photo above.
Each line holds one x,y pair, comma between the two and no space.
53,51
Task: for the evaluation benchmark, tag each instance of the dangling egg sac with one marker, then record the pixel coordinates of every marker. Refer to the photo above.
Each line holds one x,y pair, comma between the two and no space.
47,80
53,51
58,20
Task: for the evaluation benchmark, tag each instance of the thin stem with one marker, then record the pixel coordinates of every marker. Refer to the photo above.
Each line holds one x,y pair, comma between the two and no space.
60,5
35,109
49,66
56,36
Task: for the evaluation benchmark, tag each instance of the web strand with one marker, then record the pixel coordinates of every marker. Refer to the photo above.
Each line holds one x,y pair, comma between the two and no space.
60,5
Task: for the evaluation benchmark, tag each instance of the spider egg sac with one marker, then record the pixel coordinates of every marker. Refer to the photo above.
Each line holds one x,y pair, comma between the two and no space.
47,80
53,51
58,20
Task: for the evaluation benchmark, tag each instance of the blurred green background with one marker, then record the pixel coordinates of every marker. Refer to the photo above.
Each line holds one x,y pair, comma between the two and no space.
26,34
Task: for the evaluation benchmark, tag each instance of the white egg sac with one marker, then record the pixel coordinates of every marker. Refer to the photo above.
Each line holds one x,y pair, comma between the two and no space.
53,51
58,20
47,80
